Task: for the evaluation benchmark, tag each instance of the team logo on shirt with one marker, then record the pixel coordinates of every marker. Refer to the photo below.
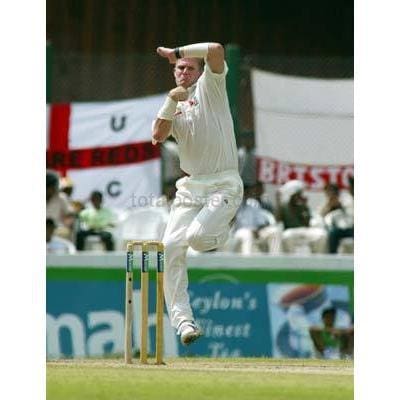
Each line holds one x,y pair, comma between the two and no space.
188,106
193,102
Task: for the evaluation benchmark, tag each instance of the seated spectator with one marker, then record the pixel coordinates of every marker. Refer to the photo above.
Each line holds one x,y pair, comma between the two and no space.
58,208
339,218
333,202
96,221
295,215
331,342
254,228
67,187
55,244
256,191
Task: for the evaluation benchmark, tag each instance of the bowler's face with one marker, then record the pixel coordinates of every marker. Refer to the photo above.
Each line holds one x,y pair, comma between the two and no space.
186,72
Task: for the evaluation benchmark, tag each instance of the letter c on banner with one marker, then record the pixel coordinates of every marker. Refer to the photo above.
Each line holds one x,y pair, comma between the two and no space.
121,124
113,188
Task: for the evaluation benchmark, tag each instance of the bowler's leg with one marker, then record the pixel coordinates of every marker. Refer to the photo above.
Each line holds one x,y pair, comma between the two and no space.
175,274
210,228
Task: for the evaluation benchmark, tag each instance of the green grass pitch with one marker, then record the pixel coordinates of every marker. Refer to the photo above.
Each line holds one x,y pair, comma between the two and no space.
200,379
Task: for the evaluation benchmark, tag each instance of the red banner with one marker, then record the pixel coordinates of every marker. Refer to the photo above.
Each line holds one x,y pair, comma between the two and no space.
315,177
131,153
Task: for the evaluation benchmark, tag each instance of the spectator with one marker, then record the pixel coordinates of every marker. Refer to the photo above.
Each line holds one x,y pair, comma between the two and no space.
55,244
339,220
348,202
255,228
333,202
256,191
96,221
57,207
295,215
67,187
329,341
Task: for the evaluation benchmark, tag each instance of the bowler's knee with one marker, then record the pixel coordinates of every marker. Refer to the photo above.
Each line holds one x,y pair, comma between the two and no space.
200,241
171,245
197,242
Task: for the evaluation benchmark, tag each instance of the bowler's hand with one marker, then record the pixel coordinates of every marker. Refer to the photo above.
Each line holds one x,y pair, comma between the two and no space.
153,141
179,94
166,52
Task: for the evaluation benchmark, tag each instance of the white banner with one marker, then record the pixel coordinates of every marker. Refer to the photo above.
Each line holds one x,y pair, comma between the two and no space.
305,123
303,120
123,187
119,122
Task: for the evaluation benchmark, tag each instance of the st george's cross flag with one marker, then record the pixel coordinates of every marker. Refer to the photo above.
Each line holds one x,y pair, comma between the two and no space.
106,146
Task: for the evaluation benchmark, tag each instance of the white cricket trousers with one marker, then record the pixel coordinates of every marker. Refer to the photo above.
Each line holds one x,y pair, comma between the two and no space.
200,216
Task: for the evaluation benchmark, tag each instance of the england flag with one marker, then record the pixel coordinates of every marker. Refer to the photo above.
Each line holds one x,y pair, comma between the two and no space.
107,146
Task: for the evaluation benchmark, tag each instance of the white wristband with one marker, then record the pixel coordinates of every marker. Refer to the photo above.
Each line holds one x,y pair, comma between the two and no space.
168,109
198,50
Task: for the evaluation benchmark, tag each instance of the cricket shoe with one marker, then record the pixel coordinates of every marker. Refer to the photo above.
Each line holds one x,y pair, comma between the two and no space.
189,332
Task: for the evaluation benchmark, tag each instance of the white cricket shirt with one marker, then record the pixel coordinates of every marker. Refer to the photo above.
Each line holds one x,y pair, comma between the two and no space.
203,127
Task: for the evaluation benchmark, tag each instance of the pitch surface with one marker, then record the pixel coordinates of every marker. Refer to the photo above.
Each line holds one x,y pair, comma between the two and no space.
201,378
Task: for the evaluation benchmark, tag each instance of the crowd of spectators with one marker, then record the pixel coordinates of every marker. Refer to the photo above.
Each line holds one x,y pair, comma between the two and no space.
289,224
286,225
70,223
